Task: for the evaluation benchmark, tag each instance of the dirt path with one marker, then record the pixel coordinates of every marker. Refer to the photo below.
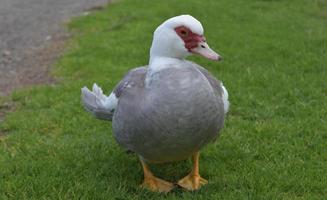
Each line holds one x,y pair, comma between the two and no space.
32,35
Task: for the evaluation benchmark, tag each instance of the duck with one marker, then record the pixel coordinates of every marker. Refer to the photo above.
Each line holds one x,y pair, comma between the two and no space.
168,110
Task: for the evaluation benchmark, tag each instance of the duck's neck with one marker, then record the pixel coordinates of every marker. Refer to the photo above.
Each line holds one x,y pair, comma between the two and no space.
166,51
162,57
157,63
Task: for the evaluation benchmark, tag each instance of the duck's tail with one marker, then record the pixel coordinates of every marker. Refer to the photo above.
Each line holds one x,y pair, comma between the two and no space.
98,104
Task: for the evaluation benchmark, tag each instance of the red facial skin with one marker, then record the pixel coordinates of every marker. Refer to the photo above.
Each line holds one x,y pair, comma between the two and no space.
190,39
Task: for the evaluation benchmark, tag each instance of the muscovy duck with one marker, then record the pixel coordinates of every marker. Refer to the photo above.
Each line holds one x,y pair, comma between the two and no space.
171,108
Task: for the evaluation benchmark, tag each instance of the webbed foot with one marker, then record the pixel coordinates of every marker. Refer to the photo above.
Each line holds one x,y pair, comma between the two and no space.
153,183
192,182
157,185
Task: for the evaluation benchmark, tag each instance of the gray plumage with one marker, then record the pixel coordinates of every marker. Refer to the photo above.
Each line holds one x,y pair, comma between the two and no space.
168,121
173,118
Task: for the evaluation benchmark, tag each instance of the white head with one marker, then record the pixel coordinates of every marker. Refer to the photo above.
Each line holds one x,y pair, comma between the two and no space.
179,37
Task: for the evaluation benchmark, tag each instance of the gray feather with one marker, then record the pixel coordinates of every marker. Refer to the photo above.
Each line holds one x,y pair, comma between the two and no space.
169,120
173,117
93,103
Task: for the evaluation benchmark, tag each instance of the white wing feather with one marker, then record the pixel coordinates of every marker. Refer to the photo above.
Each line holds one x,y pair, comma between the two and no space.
100,105
225,99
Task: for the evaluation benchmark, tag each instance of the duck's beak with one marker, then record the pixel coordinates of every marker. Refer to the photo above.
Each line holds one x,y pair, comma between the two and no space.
204,50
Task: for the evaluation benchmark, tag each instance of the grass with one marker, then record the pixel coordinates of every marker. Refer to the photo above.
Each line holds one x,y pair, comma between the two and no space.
274,142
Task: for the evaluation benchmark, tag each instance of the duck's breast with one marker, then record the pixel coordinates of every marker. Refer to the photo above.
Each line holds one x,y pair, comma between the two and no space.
176,114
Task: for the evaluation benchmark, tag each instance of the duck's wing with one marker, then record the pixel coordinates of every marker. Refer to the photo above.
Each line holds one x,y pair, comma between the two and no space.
102,106
217,85
134,78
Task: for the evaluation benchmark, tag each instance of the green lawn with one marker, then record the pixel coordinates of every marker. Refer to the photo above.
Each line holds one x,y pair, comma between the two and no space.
273,146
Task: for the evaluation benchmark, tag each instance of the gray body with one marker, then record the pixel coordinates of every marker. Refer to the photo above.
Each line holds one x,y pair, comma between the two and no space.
178,112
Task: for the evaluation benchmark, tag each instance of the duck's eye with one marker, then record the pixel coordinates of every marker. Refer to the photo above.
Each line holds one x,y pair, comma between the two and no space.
184,33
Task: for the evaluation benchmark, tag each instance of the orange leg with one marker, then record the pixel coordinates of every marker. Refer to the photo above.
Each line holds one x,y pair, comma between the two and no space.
153,183
193,181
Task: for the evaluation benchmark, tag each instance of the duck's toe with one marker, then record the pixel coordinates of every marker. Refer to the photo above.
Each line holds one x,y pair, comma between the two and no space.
157,185
192,182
